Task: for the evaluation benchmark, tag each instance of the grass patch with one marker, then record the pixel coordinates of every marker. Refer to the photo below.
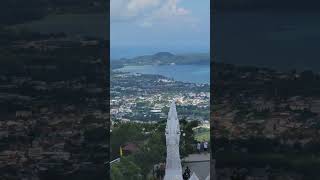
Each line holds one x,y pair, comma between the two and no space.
202,135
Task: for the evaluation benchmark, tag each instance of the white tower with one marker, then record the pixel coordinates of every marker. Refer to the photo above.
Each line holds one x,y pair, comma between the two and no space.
173,162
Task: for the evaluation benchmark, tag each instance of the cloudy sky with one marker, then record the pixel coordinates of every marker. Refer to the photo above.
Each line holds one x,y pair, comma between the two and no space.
140,27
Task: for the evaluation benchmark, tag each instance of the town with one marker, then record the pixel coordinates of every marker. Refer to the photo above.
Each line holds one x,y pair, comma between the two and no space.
146,98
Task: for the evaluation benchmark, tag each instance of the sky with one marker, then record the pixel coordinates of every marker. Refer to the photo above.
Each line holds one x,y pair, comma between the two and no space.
141,27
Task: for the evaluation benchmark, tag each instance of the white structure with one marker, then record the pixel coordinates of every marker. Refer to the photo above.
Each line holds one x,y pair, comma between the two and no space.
194,177
173,162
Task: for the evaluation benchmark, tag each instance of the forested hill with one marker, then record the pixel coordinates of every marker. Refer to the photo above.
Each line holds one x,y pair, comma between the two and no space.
164,58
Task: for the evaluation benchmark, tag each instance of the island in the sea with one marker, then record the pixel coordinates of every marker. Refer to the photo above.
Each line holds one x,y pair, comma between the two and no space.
163,58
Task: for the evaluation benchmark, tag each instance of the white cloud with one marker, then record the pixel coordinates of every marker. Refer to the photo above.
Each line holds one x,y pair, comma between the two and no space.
136,5
148,12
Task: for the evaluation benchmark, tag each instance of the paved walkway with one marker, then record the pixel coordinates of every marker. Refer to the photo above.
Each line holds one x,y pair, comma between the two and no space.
198,163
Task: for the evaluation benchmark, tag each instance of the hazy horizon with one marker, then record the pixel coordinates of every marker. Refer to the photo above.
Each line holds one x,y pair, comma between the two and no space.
147,27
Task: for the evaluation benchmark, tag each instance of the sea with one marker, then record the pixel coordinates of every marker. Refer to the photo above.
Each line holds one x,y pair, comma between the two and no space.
199,74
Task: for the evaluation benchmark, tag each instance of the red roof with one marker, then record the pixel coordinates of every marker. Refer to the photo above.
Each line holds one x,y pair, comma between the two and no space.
131,147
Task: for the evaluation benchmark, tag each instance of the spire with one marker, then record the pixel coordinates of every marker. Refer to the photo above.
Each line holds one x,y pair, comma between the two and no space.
173,161
173,112
173,126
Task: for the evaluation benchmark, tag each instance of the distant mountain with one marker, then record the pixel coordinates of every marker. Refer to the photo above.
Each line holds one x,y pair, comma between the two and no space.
164,58
163,54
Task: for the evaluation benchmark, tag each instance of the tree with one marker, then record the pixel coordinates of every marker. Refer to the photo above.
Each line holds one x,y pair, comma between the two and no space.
188,140
122,134
152,153
125,169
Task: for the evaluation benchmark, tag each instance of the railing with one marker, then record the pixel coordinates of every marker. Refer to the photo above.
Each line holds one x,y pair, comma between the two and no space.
114,161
